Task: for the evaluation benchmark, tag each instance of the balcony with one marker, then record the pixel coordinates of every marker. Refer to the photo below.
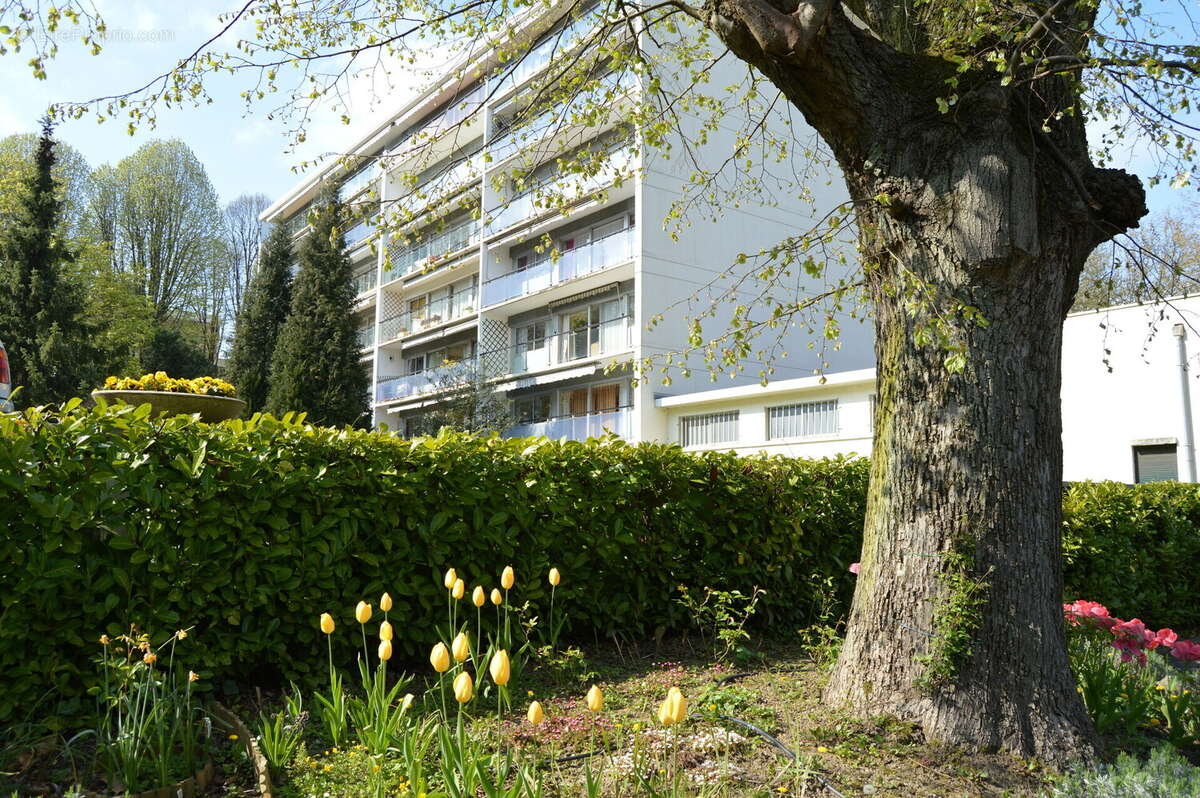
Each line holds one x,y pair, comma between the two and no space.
599,254
358,234
555,45
406,259
458,111
578,428
363,282
366,337
429,381
435,314
558,192
582,343
438,188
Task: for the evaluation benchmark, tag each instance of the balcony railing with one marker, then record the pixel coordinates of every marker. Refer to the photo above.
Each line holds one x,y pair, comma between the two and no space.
438,187
366,337
358,181
363,282
548,196
555,45
358,233
578,428
459,110
438,312
428,381
527,134
599,254
591,341
406,259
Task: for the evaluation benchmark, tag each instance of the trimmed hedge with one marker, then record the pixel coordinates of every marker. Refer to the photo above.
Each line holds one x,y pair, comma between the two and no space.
1135,549
248,530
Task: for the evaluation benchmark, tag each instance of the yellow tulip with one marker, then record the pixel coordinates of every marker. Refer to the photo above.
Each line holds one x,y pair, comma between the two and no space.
461,647
362,612
326,623
385,650
464,688
555,578
448,579
500,668
497,598
507,578
459,589
478,597
595,699
385,602
439,658
535,714
664,712
385,631
679,708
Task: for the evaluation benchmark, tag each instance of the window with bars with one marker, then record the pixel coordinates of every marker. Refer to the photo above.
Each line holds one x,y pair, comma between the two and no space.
803,420
708,429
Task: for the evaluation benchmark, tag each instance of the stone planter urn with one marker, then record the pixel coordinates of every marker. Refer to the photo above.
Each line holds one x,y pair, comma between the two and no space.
211,408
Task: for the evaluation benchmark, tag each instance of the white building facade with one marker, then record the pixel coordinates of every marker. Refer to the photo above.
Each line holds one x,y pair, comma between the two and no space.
468,287
1129,398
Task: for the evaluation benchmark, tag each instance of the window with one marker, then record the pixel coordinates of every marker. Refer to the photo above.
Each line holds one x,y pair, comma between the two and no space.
802,420
606,398
533,409
531,336
1155,463
708,429
415,365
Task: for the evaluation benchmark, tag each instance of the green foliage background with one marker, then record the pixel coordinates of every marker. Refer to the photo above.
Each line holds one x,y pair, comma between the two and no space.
250,529
1135,549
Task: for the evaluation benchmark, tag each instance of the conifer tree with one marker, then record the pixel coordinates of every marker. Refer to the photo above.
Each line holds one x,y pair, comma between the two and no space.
316,366
264,310
41,322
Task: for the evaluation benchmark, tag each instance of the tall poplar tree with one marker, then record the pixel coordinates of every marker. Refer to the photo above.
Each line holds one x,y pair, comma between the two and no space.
41,321
316,367
264,310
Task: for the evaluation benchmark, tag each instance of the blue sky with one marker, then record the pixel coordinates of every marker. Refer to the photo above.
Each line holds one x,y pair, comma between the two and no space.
243,153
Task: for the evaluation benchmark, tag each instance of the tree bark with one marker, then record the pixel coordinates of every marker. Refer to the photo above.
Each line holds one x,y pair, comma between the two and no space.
973,227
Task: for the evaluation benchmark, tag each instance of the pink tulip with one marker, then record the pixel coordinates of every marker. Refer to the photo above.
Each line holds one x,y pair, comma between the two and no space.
1186,650
1166,637
854,568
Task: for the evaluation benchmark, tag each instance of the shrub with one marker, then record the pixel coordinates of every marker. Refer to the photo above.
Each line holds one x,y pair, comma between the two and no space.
1134,548
1166,774
250,529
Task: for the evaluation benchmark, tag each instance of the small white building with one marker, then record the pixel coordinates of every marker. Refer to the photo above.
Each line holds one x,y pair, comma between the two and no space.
1127,399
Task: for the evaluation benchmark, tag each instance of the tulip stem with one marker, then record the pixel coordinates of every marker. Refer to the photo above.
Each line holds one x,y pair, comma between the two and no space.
553,634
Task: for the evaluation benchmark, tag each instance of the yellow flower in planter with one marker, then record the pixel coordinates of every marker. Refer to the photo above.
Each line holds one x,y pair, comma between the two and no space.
461,647
459,589
499,668
595,699
327,623
385,602
449,578
439,658
497,597
535,714
464,688
507,578
385,631
478,597
555,578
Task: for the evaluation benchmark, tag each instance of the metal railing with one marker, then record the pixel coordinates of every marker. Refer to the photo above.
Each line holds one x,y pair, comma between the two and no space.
363,282
440,311
428,381
550,194
578,427
592,257
358,233
405,259
593,340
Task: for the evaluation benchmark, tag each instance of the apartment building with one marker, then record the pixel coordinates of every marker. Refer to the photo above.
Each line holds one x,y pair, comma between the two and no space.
1129,398
479,277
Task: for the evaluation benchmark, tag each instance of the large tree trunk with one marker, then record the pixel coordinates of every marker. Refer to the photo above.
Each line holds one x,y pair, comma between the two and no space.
973,226
956,621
